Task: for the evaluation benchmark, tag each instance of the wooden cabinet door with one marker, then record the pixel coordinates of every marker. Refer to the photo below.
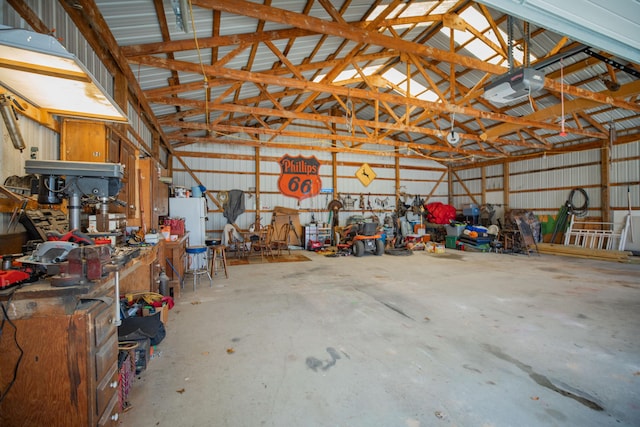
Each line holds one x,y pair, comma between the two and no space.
128,192
84,141
154,195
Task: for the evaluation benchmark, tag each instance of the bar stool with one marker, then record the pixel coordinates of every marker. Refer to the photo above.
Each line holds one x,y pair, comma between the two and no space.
218,252
197,263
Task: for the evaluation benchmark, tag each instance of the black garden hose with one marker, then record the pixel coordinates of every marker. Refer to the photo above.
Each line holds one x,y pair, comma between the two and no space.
582,210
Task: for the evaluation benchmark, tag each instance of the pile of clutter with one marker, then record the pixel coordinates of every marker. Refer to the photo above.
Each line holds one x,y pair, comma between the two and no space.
469,237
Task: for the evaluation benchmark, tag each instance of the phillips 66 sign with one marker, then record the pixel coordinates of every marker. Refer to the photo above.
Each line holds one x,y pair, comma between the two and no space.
299,176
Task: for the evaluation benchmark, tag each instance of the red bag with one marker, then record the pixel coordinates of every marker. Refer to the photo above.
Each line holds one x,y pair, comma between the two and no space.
439,213
177,225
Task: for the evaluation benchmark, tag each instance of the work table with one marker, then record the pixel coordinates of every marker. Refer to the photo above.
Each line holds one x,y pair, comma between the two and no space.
68,370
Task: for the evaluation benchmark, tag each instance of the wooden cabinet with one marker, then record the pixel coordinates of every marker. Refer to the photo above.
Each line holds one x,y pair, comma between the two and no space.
68,372
154,195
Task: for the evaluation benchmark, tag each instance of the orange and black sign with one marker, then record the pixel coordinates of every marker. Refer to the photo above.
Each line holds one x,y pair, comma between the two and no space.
299,176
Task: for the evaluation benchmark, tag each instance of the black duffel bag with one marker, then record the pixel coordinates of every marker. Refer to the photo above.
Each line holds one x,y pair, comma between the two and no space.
136,328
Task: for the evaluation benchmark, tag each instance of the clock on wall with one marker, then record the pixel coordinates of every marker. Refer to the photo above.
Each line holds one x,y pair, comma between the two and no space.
365,174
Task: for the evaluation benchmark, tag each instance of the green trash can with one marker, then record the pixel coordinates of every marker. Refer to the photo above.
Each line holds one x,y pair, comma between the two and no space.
450,243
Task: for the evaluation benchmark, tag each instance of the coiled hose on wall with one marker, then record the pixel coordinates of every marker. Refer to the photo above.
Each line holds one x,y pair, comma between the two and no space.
578,211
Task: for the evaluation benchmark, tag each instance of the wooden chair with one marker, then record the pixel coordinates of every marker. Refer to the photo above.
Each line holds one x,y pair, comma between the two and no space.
281,240
238,246
265,243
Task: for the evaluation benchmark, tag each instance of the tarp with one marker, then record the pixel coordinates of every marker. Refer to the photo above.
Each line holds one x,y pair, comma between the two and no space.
234,206
439,213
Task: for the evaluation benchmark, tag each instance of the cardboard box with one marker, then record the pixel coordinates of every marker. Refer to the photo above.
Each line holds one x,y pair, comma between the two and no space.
164,313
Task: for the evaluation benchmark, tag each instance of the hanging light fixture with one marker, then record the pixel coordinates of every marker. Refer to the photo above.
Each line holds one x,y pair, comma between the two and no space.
453,137
38,69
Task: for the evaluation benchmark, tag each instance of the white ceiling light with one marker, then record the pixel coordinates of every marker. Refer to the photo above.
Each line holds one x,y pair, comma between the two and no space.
453,137
37,68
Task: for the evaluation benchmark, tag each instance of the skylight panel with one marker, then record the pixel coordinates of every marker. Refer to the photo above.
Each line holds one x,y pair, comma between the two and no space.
428,95
480,49
475,18
477,47
460,37
394,76
350,74
413,10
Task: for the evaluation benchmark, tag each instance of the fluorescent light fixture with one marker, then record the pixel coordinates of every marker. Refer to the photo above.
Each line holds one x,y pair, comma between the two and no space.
37,68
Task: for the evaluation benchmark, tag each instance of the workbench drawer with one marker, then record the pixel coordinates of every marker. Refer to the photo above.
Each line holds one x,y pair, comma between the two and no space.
105,356
103,323
111,414
106,389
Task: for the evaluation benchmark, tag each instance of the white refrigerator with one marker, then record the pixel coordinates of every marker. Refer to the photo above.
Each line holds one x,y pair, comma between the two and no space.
194,212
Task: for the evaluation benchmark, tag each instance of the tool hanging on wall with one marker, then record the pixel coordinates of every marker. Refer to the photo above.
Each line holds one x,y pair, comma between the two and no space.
382,202
349,202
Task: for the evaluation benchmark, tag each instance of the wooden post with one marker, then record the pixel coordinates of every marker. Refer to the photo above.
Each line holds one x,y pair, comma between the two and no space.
605,167
483,184
505,185
257,180
450,185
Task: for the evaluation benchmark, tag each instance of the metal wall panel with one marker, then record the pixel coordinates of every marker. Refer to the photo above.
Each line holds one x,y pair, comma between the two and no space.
625,175
36,137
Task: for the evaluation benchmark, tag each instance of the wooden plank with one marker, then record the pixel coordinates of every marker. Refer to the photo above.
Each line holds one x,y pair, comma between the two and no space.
552,248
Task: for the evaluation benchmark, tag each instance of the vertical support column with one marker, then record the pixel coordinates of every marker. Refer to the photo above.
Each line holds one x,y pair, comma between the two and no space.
605,183
397,179
334,159
483,185
257,182
505,185
450,185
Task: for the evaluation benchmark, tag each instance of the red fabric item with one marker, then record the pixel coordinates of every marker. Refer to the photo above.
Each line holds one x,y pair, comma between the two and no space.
439,213
169,302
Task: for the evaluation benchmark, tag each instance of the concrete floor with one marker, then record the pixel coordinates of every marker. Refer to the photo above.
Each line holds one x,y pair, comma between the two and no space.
457,339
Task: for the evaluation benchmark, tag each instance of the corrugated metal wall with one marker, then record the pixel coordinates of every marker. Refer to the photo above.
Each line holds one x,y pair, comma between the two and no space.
543,184
40,142
222,168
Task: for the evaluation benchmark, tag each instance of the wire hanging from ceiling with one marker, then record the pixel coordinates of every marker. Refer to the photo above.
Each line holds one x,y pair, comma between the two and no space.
204,74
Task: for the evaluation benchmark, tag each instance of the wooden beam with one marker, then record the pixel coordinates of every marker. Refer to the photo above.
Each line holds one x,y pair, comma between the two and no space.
398,126
353,92
574,105
34,113
30,16
343,30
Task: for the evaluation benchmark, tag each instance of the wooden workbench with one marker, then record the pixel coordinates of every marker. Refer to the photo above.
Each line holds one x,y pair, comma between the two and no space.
67,374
